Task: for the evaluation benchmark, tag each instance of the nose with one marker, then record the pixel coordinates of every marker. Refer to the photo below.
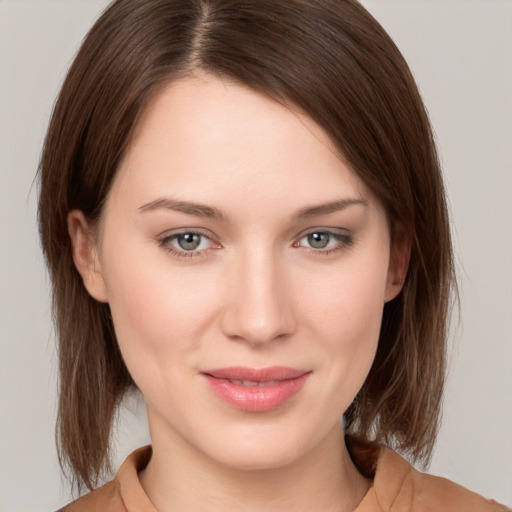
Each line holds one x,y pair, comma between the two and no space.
260,307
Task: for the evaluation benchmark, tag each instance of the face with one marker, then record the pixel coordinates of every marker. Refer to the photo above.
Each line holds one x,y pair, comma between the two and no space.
246,267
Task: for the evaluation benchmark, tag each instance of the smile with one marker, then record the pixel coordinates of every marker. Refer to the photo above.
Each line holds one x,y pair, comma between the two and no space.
256,390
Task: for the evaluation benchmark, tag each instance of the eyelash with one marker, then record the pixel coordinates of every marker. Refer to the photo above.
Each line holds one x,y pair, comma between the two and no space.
342,241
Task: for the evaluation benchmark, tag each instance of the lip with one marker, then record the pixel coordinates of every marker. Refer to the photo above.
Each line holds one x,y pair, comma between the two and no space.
256,390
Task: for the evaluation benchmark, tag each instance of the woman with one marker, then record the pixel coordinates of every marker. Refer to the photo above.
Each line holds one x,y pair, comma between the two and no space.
243,215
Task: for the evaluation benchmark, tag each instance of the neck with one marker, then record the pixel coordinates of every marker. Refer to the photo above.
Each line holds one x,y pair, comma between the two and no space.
178,478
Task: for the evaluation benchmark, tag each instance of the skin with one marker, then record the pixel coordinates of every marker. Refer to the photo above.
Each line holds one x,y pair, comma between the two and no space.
254,293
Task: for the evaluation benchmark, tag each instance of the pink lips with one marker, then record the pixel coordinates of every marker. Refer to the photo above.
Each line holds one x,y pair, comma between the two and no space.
254,390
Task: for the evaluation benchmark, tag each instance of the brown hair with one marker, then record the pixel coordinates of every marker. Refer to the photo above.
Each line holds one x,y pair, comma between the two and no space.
330,59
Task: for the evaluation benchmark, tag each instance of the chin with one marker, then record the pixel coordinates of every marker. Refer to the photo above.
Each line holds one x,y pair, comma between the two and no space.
257,449
258,458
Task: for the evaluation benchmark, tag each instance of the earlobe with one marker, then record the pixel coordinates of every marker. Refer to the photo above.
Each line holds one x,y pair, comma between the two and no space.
85,255
398,264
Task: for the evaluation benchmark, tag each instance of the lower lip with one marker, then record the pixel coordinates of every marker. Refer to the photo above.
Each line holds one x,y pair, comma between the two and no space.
256,398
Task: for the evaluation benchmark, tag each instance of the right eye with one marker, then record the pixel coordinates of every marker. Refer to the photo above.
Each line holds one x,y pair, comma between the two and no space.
187,243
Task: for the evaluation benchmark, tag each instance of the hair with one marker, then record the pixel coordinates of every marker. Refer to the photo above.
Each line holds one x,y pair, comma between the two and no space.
331,60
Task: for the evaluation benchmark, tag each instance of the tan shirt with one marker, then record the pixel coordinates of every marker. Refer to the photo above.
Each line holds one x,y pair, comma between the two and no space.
397,487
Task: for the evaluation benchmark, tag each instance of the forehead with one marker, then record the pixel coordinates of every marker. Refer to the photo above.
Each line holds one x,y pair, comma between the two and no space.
209,138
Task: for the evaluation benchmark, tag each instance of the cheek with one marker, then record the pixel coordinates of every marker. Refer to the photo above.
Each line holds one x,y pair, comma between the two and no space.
346,314
159,313
351,300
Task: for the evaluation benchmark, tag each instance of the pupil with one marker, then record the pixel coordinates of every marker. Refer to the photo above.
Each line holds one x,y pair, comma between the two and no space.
189,241
318,240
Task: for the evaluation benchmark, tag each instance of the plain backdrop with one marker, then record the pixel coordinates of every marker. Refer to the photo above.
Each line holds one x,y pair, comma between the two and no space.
461,54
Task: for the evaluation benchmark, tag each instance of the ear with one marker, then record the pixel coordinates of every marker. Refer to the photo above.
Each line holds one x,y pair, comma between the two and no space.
398,263
85,255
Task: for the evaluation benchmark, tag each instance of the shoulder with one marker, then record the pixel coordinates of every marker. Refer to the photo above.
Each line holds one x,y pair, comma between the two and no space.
401,487
435,493
121,494
105,499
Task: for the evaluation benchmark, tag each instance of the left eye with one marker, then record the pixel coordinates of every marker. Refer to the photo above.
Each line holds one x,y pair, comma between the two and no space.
324,240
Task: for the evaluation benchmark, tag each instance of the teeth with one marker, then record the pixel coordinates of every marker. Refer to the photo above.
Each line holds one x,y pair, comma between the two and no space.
253,383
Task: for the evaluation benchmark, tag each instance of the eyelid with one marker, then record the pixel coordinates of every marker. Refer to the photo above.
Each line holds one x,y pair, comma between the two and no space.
335,231
183,231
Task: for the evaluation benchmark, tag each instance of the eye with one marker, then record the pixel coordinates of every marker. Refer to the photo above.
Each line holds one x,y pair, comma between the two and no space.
319,240
187,243
324,242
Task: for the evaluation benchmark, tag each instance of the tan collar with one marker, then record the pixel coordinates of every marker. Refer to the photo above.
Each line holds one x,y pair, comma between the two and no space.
371,460
397,486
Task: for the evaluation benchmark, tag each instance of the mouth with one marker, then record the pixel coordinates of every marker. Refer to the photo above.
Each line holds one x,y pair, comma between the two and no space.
256,390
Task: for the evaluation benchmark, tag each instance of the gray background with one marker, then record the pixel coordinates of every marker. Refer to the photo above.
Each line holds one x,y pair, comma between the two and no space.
460,53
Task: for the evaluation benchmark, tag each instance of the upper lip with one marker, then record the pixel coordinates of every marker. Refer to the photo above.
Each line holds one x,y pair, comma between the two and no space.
269,373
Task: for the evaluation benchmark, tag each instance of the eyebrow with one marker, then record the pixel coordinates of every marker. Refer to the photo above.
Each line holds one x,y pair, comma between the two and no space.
202,210
326,208
188,207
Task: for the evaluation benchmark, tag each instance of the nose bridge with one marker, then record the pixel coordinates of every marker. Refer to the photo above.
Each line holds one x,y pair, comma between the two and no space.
260,308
